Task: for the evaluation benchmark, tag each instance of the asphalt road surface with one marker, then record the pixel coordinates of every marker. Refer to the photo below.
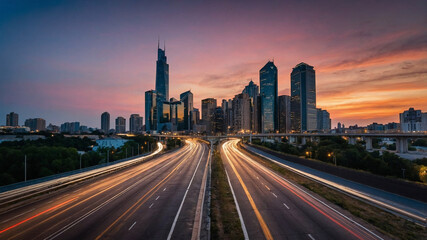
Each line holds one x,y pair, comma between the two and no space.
272,207
158,199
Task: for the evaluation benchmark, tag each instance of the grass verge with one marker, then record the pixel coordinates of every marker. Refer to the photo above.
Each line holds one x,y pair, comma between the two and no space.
225,219
385,222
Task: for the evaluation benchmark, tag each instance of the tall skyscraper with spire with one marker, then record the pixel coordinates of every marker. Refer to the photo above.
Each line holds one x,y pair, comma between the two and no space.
162,75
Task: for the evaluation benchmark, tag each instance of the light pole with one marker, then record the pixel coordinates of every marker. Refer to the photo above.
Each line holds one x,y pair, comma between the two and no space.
25,167
403,172
333,157
81,161
138,148
108,156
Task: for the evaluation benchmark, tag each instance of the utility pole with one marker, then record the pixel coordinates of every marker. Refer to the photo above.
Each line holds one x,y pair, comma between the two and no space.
138,148
81,161
108,156
403,172
25,167
126,152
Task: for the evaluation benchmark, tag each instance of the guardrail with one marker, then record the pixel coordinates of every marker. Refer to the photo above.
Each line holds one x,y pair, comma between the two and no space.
22,193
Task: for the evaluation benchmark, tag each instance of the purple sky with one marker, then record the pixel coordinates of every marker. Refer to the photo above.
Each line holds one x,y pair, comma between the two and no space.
73,60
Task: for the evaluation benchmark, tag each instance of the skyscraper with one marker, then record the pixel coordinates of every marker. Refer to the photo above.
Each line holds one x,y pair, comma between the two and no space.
162,84
218,123
12,119
284,103
105,122
303,98
135,123
120,125
268,92
253,91
150,111
241,112
208,111
187,99
177,115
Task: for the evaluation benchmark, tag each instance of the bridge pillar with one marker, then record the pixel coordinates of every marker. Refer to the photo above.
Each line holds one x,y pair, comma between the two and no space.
303,141
368,141
250,139
401,145
352,140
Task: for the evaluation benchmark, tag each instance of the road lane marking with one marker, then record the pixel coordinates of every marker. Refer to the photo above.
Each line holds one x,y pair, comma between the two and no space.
276,178
261,221
143,199
286,205
132,226
164,189
77,190
38,214
311,237
185,195
242,223
151,205
274,194
157,197
267,187
7,220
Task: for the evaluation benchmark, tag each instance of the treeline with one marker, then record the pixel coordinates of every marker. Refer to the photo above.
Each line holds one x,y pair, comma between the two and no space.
337,149
58,154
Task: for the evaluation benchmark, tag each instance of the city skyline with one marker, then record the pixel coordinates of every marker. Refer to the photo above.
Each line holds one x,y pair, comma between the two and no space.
368,72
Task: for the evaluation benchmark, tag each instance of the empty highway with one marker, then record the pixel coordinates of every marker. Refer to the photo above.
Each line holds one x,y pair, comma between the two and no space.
272,207
158,199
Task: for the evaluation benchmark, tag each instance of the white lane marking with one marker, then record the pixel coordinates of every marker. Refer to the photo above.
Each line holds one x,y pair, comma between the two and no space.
157,197
274,194
267,187
242,223
185,195
7,220
151,205
77,190
311,237
164,189
132,226
257,178
286,205
50,201
287,181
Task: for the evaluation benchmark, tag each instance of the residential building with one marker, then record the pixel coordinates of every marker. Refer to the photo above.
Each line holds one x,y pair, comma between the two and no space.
36,124
135,123
12,119
105,122
413,120
323,120
70,127
284,106
120,125
303,98
268,92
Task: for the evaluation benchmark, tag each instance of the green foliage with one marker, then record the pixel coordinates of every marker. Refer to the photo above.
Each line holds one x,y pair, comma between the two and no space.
356,157
420,142
172,143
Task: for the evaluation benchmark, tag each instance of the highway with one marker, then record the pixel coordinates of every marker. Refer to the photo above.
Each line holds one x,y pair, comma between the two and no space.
158,199
272,207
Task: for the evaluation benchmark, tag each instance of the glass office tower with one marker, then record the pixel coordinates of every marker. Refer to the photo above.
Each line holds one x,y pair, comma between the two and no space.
268,95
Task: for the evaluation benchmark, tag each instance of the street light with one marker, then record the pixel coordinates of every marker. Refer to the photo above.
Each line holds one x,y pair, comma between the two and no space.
334,157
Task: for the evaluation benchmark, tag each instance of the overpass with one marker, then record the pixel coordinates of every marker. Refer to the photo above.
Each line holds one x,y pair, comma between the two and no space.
401,138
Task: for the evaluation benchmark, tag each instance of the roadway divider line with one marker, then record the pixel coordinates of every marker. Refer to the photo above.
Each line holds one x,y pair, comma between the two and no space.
183,199
264,227
278,177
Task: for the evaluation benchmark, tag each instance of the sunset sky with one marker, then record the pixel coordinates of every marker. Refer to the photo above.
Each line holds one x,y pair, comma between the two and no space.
72,60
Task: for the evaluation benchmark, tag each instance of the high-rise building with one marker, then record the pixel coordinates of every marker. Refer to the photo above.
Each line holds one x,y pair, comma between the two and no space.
105,122
12,119
120,125
268,92
208,111
195,116
218,123
303,98
162,83
284,107
253,91
413,120
323,120
164,122
150,111
135,123
36,124
241,113
177,115
70,127
187,99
